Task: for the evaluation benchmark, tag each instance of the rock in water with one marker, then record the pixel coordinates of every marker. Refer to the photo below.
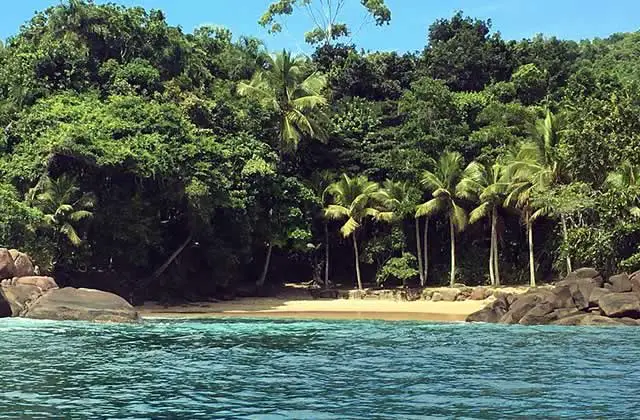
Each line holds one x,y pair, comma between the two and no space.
620,305
82,305
587,319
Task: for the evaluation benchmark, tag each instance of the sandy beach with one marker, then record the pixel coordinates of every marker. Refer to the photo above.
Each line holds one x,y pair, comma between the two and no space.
318,308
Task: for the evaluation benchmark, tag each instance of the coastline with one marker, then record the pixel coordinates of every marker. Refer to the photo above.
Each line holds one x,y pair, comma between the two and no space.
318,309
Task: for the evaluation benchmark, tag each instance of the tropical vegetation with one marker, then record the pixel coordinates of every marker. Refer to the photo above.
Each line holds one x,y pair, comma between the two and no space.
160,164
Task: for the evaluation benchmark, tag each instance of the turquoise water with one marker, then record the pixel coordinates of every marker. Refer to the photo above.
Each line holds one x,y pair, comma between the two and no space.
280,369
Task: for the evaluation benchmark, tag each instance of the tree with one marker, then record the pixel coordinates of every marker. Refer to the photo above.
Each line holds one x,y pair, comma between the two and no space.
63,206
401,199
355,199
325,15
626,177
483,183
294,93
443,182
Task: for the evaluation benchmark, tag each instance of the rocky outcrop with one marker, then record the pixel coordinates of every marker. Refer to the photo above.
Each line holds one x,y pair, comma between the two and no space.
81,304
22,294
581,298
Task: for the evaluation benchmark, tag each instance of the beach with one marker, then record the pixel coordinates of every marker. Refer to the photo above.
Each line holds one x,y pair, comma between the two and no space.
318,308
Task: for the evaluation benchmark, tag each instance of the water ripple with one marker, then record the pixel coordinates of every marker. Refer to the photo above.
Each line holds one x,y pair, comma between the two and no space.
283,369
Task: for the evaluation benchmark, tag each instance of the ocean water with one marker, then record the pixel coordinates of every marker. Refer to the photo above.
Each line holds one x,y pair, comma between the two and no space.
307,369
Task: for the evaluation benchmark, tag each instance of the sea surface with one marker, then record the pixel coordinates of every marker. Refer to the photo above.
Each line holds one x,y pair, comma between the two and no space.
307,369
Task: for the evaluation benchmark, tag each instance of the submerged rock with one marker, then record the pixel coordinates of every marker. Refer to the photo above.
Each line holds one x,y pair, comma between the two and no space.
587,319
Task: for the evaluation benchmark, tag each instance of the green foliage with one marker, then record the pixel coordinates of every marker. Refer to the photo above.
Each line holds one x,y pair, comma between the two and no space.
402,269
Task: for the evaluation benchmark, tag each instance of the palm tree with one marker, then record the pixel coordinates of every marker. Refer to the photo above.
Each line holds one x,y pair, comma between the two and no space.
401,199
442,182
319,183
524,175
285,88
626,177
355,199
63,206
483,183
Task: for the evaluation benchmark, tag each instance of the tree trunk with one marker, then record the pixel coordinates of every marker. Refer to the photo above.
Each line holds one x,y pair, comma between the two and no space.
492,277
355,250
419,251
326,255
265,269
453,252
425,249
494,240
532,269
565,236
172,257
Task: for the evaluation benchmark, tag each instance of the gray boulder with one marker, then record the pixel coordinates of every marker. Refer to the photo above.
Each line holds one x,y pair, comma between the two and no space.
492,312
525,303
82,305
620,305
620,283
587,319
596,294
22,262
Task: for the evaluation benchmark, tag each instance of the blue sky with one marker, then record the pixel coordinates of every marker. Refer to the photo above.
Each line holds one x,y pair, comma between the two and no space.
515,19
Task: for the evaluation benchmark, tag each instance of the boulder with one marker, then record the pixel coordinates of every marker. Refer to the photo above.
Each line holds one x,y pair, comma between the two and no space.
564,298
82,305
587,319
542,313
596,294
581,291
581,273
490,313
436,297
5,308
449,294
324,293
44,283
629,321
478,293
620,283
19,296
620,305
22,262
7,266
525,303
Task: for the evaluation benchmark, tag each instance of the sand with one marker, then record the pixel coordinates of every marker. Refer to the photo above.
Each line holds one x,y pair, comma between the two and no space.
319,309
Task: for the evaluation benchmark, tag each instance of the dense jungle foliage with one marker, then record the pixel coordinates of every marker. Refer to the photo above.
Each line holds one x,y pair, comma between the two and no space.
138,158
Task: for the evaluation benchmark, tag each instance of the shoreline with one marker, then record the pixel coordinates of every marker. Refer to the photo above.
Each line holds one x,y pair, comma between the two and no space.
317,309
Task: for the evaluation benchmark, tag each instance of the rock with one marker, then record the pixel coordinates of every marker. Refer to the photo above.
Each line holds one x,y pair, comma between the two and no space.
596,294
564,298
581,291
587,319
539,314
5,308
324,293
620,283
436,297
22,262
82,305
356,294
7,266
426,294
449,294
629,321
44,283
581,273
19,296
478,293
413,294
635,283
620,305
525,303
490,313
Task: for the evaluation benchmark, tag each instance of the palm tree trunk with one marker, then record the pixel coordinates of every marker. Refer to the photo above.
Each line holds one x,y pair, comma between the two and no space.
453,252
532,269
326,254
494,240
425,249
419,251
265,269
172,257
355,250
492,277
565,236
